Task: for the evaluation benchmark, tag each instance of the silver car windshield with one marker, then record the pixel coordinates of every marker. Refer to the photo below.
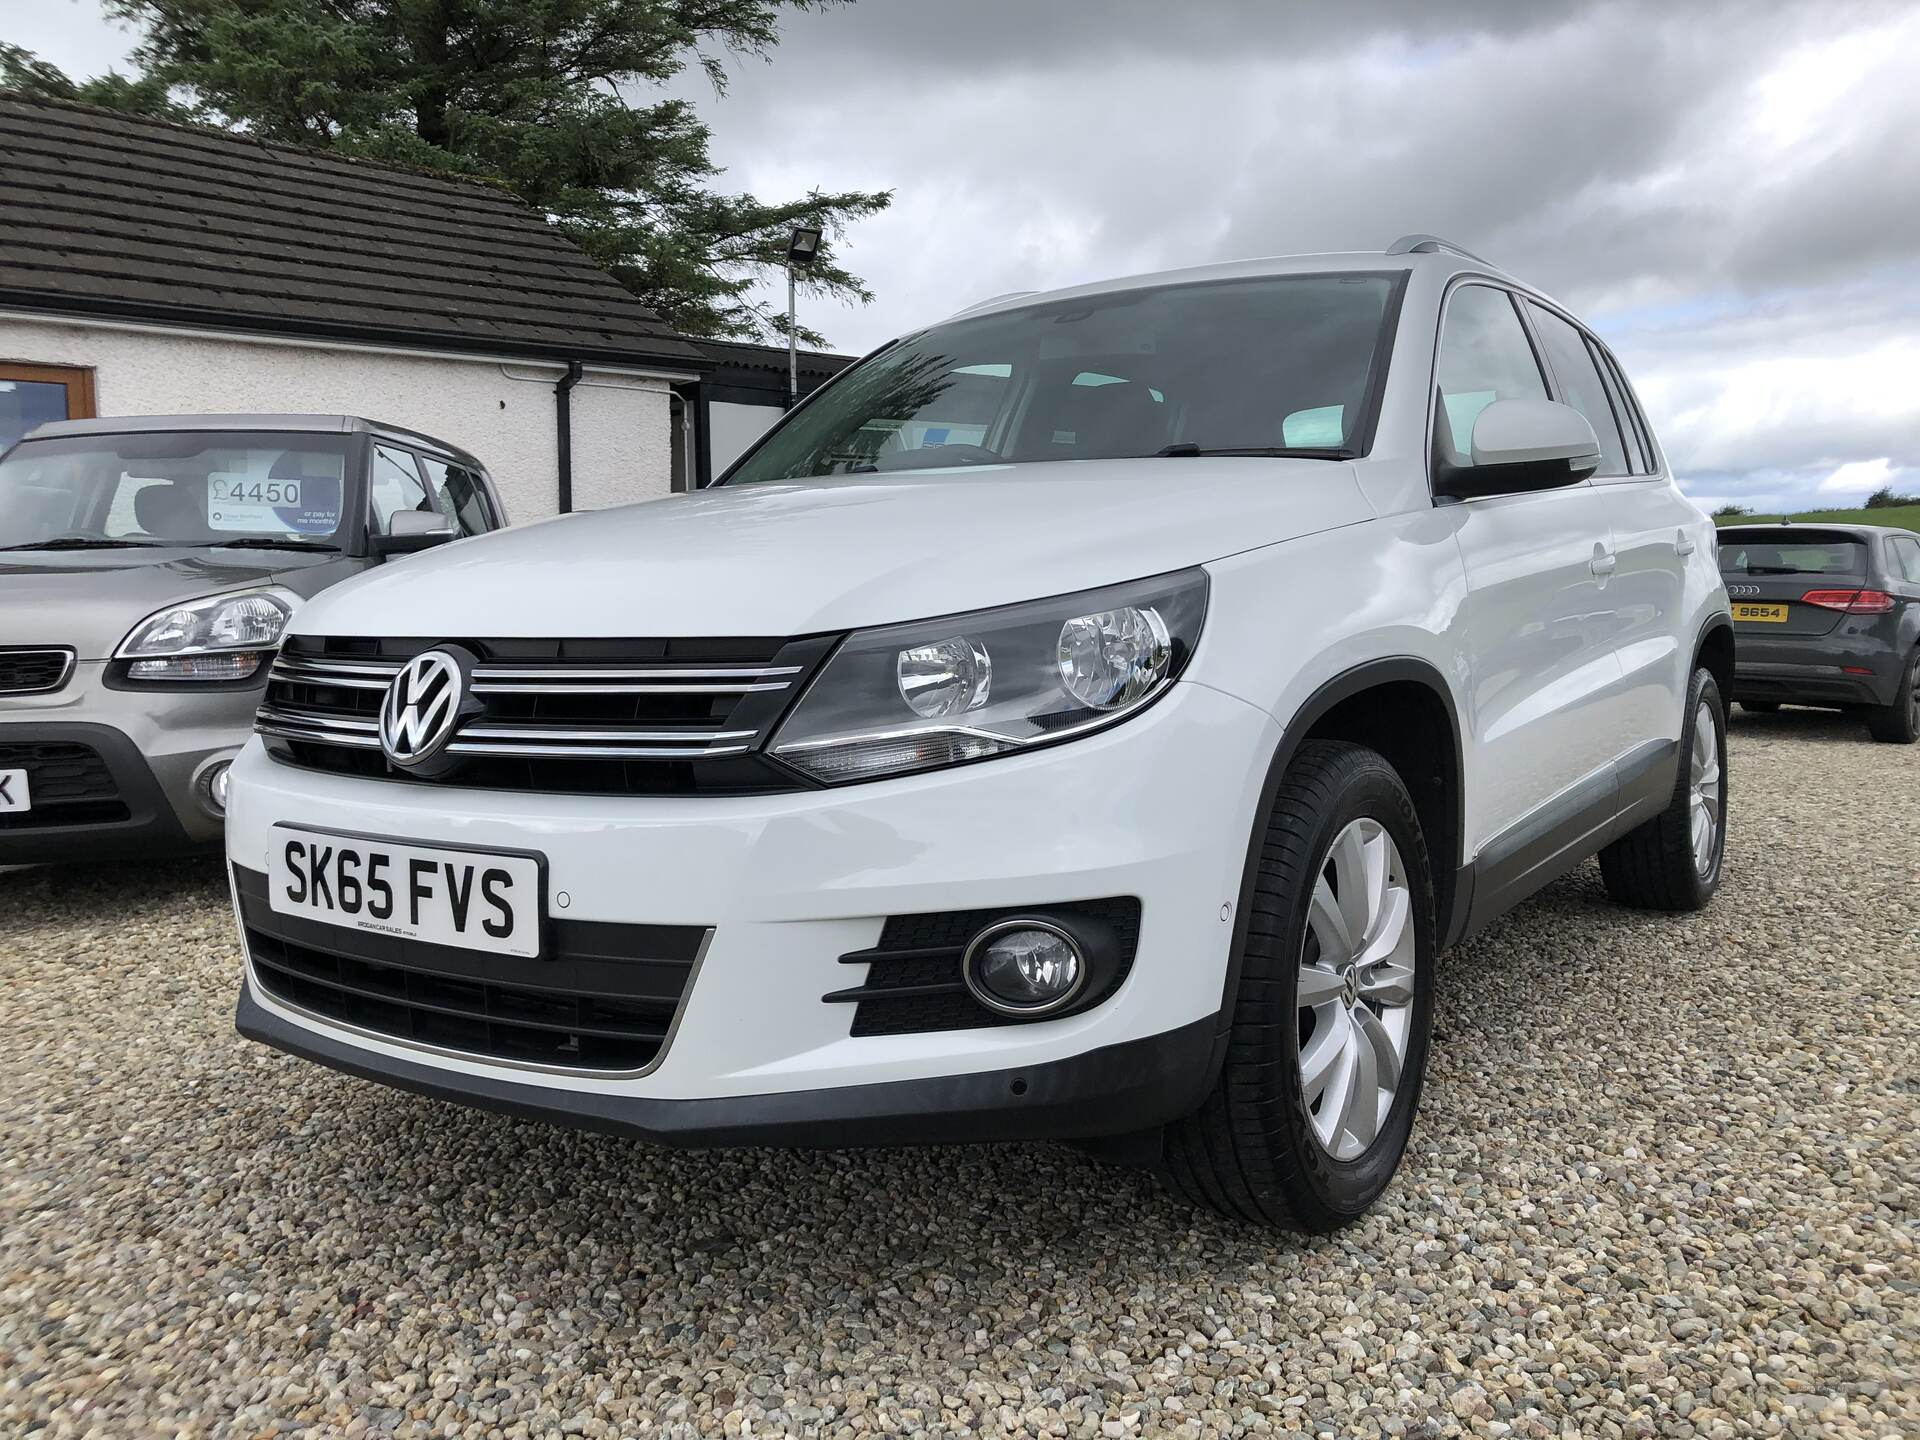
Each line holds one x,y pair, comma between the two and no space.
175,488
1272,365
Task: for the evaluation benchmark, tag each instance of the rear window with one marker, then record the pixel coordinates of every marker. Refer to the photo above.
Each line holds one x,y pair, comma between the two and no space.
1783,552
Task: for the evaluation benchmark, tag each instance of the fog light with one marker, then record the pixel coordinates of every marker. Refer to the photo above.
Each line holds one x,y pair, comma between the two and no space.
213,786
1024,967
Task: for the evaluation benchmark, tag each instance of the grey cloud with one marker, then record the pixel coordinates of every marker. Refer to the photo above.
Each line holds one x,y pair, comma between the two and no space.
1618,155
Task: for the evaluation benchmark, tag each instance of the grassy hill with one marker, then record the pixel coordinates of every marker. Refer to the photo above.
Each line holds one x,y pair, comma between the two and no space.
1901,517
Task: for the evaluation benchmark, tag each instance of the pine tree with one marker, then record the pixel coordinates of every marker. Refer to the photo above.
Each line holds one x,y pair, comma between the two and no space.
557,100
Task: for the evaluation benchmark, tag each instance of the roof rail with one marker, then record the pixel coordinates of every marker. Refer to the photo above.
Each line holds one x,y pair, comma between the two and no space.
1433,245
991,300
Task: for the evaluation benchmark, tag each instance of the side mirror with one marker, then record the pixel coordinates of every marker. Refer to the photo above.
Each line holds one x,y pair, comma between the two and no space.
412,530
1521,445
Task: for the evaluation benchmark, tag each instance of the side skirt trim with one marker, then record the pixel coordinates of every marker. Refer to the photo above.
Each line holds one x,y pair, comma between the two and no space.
1580,821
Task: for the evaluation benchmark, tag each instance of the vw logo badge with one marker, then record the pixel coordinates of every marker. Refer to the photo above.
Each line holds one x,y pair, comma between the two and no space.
422,706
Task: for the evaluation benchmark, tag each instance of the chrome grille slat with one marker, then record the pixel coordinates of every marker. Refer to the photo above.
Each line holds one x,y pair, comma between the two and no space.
268,715
289,731
672,716
570,732
596,752
495,687
662,672
385,669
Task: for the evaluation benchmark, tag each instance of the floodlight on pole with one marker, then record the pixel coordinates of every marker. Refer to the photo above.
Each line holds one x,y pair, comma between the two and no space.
803,246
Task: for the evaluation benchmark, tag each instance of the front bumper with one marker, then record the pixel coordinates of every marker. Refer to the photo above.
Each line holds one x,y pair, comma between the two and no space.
1159,808
1127,1086
140,797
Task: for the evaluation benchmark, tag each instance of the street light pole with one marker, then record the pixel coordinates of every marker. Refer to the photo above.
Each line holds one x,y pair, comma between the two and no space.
802,246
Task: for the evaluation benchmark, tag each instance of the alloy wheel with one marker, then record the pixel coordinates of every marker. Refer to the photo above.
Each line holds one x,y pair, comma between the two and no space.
1704,782
1356,988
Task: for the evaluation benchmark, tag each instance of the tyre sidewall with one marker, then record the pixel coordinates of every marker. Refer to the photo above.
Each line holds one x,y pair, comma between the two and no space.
1345,1188
1705,689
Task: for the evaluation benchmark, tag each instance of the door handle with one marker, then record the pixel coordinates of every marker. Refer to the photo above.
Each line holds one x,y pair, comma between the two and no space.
1684,545
1603,564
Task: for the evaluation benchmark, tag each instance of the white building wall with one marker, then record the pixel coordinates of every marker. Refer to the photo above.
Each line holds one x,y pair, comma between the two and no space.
502,412
732,427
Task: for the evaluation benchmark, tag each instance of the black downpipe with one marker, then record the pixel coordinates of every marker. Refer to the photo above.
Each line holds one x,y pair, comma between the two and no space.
563,417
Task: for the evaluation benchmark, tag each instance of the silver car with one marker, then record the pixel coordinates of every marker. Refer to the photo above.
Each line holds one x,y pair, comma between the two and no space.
148,566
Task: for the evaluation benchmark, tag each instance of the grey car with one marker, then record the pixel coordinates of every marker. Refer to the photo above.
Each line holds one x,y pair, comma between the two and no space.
147,569
1827,615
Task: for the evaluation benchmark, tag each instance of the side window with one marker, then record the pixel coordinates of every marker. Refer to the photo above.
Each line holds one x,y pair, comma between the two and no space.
396,486
461,495
1580,387
1907,551
1484,356
1637,460
1635,415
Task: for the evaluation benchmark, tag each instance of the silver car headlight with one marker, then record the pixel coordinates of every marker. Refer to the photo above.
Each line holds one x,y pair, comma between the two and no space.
940,692
223,637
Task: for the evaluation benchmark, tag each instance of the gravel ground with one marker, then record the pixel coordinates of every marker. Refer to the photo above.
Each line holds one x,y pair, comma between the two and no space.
1664,1184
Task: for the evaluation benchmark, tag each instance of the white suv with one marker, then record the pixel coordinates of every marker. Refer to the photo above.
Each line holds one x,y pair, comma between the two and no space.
1084,719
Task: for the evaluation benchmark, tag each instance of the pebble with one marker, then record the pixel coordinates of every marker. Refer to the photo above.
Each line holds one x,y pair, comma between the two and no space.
1663,1184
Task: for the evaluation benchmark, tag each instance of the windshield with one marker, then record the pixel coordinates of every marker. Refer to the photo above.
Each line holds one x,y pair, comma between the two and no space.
175,488
1781,552
1265,365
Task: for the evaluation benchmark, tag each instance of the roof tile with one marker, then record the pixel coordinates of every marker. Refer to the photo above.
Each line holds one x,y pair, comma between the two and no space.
114,214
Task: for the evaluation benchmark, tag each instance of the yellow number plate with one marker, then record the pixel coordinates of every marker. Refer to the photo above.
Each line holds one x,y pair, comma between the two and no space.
1767,614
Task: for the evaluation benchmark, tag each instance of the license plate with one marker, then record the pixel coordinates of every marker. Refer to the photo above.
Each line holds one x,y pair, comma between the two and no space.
15,797
473,899
1765,614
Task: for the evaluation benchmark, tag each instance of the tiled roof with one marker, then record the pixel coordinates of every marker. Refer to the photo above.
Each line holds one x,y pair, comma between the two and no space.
110,214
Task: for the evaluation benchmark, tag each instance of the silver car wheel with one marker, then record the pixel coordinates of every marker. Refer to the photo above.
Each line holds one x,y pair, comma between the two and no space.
1704,778
1356,988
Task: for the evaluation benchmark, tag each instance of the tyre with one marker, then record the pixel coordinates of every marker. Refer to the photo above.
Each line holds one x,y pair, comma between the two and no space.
1899,723
1333,1007
1760,707
1673,861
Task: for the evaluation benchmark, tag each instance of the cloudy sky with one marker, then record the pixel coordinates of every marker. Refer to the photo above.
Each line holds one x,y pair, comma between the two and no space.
1729,192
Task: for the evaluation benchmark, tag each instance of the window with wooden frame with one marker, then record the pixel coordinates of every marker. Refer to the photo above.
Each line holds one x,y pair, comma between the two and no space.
31,395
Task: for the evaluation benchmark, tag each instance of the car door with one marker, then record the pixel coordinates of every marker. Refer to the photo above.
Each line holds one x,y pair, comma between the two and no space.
462,494
1543,679
1657,535
395,483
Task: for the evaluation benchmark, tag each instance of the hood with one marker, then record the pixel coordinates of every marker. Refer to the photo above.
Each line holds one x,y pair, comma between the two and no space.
802,557
90,599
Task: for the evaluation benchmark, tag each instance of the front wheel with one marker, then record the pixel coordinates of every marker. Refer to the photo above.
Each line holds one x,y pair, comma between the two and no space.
1899,723
1673,861
1333,1006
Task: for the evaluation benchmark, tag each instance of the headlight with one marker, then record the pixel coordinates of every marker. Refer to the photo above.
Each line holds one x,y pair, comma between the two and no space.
938,692
223,637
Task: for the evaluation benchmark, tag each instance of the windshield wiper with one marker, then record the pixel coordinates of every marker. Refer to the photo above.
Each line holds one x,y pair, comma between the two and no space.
83,542
272,542
1184,448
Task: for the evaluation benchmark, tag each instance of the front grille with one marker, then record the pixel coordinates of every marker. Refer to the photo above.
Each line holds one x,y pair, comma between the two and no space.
602,997
32,672
67,784
918,959
628,717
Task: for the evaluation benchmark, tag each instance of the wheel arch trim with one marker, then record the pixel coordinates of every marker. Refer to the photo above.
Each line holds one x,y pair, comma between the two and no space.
1450,899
